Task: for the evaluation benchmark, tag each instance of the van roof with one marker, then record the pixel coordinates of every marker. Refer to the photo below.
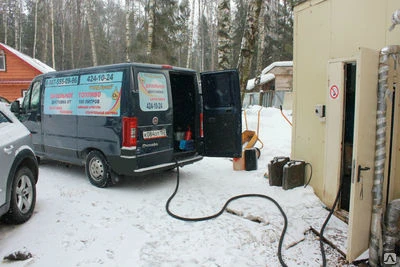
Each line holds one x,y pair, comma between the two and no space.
117,66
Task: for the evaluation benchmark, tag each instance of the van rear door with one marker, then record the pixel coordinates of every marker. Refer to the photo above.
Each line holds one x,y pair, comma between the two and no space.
222,114
154,113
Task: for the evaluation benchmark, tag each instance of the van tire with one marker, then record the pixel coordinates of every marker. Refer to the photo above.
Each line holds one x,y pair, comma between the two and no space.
97,169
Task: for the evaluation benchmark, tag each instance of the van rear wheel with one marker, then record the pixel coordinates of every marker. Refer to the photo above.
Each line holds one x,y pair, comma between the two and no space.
97,169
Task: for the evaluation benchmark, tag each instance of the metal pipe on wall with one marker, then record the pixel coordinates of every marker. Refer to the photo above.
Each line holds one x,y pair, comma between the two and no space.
375,244
391,227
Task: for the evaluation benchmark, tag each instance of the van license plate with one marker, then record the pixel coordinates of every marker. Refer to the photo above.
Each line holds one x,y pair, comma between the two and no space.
154,134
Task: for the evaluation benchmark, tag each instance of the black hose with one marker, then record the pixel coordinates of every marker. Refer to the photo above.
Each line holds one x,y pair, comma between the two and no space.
223,209
321,239
309,179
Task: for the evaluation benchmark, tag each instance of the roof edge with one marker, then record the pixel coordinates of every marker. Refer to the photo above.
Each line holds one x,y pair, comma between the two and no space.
33,62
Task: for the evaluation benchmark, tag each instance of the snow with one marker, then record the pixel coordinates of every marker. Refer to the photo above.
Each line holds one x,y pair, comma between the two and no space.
265,76
77,224
277,64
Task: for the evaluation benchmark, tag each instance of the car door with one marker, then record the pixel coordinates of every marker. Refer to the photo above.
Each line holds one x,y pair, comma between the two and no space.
222,114
8,131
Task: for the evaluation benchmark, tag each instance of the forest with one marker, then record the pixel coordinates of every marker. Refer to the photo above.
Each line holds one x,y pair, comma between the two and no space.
198,34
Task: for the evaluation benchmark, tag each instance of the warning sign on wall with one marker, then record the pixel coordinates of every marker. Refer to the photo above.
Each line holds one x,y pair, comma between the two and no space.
334,91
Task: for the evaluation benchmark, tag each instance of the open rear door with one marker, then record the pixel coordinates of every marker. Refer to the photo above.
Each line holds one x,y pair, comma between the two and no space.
222,114
363,153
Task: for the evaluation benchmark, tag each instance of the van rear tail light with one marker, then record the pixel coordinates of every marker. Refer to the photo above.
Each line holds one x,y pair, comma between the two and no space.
201,126
129,131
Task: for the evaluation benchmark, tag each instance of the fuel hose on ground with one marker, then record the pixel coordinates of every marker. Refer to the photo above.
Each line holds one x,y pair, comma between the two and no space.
223,209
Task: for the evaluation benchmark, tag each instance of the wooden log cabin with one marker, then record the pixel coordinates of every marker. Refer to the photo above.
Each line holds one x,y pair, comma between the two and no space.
17,71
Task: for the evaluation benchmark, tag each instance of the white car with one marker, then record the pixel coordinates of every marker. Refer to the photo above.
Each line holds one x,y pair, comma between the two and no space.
18,169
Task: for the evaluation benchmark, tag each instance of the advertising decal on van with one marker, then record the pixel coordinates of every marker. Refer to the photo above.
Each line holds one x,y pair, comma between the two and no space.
90,95
153,91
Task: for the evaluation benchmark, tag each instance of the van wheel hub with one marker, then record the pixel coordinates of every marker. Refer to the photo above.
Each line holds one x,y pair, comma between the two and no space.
96,168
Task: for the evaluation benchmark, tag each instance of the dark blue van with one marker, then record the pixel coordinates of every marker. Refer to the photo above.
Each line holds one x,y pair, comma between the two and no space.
130,119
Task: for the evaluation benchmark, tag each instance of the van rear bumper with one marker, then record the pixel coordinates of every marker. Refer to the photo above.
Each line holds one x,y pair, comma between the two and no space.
128,166
165,166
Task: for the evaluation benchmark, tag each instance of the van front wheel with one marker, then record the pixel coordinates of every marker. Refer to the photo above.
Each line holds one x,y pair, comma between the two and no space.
97,169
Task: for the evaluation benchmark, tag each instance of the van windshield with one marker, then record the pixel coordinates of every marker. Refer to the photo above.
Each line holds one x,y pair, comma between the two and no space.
153,91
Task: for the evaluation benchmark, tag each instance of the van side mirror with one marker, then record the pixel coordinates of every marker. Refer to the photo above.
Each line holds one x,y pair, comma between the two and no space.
15,107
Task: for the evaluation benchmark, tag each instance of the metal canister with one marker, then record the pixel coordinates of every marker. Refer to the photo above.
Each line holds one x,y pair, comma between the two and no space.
293,174
275,170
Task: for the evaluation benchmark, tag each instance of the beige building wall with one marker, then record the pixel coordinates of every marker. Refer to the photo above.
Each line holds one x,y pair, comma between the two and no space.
326,30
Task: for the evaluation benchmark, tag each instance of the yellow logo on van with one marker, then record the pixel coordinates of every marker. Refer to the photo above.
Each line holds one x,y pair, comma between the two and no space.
115,94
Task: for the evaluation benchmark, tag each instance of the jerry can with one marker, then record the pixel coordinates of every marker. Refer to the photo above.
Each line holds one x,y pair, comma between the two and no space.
275,170
293,174
250,159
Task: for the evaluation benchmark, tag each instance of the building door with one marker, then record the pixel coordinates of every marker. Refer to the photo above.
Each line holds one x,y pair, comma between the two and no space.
350,142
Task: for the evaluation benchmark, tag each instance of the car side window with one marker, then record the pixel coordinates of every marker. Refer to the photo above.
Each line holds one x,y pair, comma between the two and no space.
3,118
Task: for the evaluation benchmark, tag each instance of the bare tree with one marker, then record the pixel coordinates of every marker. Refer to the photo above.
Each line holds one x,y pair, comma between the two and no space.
261,39
35,29
17,24
200,34
248,43
150,30
91,31
127,29
190,39
52,34
224,38
212,15
5,20
46,37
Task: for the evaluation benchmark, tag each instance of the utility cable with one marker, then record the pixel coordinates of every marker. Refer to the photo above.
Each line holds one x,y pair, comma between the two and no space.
223,209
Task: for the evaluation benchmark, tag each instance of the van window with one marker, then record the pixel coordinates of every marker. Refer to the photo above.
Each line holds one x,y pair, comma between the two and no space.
35,97
32,97
153,91
219,94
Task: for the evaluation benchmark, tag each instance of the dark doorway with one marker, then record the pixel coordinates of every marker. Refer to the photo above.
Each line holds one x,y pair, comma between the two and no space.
348,134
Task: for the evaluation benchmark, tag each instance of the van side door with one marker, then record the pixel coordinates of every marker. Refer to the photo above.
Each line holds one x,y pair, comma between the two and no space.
222,113
31,115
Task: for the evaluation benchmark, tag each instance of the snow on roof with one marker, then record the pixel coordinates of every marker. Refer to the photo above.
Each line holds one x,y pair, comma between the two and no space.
267,77
37,64
277,64
264,78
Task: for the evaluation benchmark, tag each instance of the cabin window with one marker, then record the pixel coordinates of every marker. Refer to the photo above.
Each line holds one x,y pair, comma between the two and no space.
2,61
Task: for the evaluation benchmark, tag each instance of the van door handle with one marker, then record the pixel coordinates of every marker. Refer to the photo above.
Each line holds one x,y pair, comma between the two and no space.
8,150
360,169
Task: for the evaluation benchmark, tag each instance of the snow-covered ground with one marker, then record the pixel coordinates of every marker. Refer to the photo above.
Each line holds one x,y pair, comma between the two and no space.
77,224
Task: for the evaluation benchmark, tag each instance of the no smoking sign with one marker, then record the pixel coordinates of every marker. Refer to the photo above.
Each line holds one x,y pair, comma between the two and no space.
334,91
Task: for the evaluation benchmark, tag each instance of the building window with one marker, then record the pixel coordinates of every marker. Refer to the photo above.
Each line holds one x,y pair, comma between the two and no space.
2,61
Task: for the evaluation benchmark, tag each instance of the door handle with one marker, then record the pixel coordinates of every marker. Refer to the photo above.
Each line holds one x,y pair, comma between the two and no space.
360,169
8,150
